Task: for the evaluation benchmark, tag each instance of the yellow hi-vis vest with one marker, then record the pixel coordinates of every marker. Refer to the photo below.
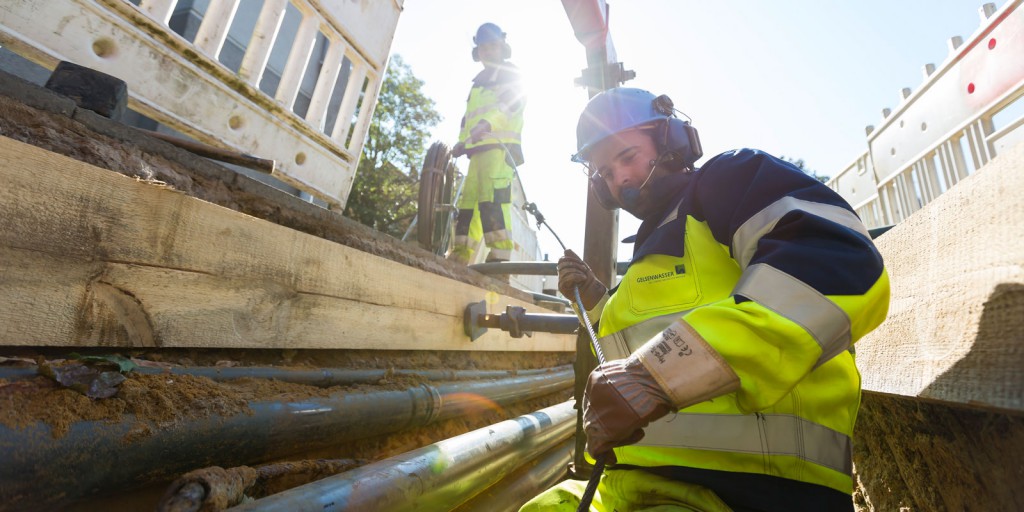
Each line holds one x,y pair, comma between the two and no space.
497,97
787,334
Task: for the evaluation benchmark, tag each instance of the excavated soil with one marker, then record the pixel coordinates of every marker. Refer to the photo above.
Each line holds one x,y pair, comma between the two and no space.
107,144
915,456
163,401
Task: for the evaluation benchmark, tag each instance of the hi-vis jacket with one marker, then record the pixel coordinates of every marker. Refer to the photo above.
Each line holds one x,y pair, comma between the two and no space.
497,96
777,273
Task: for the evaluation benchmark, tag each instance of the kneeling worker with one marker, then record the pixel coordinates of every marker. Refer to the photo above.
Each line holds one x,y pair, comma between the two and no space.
730,381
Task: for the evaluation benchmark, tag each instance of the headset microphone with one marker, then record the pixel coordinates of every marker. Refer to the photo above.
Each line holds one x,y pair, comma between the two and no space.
631,195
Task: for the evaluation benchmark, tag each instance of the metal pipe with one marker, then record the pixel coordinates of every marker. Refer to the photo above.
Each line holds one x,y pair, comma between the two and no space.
322,377
526,482
436,477
543,297
98,456
529,268
515,321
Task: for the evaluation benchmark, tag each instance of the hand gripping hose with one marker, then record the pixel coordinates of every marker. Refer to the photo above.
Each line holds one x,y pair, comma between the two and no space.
581,312
599,461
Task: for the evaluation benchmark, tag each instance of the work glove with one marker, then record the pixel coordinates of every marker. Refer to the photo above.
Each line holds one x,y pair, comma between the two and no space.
673,370
458,149
573,272
478,131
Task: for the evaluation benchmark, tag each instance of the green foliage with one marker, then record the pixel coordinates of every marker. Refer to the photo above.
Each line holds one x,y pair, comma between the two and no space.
387,179
799,164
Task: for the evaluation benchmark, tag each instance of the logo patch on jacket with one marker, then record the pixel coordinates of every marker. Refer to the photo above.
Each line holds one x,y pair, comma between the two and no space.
680,269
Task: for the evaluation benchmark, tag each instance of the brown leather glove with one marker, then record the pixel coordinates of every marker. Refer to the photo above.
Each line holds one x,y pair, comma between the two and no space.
621,399
673,370
572,273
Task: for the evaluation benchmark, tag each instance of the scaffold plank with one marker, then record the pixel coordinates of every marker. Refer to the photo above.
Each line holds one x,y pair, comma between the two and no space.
89,257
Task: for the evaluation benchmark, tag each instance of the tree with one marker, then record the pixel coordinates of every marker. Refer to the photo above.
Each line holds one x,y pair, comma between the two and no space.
387,178
799,164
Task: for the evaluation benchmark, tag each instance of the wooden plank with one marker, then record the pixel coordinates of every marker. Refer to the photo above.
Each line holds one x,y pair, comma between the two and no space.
955,329
91,257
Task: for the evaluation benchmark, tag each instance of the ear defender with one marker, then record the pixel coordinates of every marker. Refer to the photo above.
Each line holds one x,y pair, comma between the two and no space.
682,150
682,145
603,194
506,52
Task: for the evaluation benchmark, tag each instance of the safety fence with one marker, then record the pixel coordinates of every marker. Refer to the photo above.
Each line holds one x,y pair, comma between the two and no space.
290,80
968,110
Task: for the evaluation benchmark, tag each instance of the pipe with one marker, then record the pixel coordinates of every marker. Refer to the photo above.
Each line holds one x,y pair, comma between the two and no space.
436,477
216,488
543,297
99,456
223,155
515,321
521,486
879,231
323,377
529,268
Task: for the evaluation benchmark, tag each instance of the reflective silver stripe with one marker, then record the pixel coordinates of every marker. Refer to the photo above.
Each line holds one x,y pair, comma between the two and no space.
797,301
500,254
477,112
672,215
763,434
744,241
505,136
619,345
496,236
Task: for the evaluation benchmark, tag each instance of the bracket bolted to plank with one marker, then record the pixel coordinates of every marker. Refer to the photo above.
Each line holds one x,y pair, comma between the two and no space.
515,321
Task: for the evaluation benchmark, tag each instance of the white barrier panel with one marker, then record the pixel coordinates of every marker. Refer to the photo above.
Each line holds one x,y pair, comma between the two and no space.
187,86
966,111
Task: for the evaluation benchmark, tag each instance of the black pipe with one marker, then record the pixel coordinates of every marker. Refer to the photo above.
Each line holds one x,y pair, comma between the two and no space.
543,297
518,321
40,471
879,231
436,477
322,377
515,321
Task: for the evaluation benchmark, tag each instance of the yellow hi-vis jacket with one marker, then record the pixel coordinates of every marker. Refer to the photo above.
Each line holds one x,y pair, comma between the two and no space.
776,272
497,97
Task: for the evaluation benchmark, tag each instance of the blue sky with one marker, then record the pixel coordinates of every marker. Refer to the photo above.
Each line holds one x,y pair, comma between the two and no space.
796,78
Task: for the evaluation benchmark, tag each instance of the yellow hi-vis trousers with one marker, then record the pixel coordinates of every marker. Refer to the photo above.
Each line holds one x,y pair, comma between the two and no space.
628,490
485,208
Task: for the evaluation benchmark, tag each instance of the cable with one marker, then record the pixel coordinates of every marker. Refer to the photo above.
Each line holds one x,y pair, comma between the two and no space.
599,461
581,312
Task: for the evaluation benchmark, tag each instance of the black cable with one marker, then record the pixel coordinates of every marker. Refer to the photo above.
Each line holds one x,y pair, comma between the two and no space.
600,460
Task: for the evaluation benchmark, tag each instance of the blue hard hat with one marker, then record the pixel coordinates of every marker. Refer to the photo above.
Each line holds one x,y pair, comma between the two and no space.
613,111
487,33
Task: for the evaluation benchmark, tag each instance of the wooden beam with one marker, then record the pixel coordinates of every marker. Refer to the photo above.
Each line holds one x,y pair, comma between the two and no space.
90,257
955,330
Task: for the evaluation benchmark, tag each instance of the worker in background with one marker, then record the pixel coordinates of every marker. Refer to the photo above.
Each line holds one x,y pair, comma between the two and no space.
730,381
491,137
